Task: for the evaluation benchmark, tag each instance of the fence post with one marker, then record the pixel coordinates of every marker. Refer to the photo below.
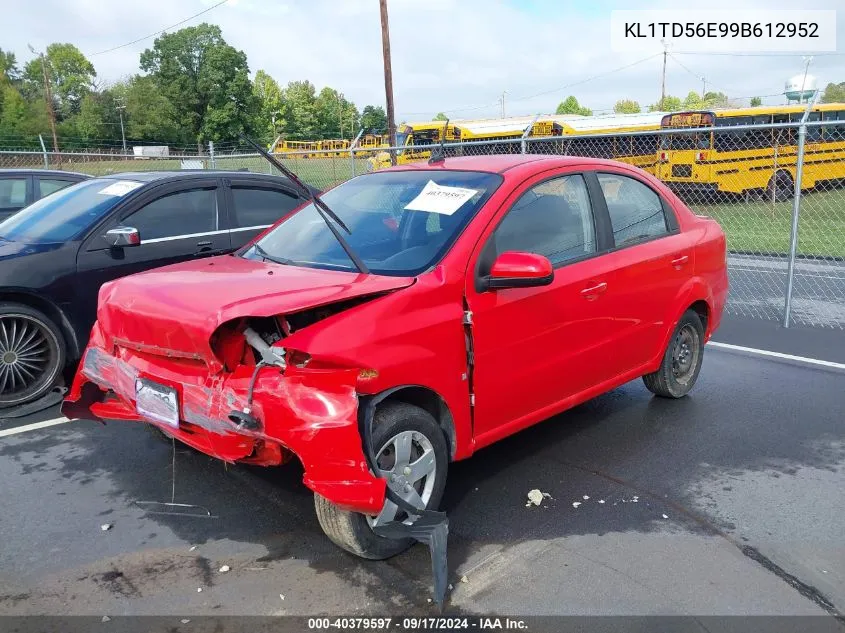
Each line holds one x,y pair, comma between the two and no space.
44,151
525,133
796,208
352,147
211,155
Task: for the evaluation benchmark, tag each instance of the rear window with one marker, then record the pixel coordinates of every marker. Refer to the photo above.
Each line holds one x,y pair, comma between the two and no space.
67,213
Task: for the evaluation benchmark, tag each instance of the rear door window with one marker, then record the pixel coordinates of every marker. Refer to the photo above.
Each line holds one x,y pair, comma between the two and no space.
257,208
46,186
636,211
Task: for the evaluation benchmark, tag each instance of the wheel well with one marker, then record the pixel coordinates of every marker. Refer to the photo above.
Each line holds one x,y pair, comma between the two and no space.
53,312
702,310
431,402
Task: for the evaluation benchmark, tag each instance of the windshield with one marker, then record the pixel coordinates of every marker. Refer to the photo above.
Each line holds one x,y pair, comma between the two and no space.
65,214
401,222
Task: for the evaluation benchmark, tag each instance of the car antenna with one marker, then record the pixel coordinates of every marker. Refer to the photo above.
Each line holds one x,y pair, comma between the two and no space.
439,154
321,207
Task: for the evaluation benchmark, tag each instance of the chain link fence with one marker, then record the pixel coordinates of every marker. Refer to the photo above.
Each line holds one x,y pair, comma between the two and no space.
777,190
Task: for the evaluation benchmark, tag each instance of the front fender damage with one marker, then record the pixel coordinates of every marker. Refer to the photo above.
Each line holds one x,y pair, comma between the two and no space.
312,413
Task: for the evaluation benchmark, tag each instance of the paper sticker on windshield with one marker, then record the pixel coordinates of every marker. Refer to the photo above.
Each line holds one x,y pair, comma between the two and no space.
436,198
120,188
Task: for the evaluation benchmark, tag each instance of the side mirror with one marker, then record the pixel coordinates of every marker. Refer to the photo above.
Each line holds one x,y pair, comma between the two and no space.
513,269
122,236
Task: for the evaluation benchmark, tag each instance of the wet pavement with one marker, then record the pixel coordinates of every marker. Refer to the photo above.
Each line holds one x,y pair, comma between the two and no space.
729,501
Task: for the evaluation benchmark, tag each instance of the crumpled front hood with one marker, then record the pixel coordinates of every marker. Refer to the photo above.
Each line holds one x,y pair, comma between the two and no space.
177,308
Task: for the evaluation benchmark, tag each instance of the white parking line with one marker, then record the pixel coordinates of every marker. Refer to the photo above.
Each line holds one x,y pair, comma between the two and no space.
32,427
765,352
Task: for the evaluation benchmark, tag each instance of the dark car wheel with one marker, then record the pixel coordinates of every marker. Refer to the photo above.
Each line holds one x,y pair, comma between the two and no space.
781,187
32,354
681,361
413,453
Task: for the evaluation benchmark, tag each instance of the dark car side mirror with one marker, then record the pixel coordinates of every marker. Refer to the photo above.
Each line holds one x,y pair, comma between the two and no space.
514,269
122,236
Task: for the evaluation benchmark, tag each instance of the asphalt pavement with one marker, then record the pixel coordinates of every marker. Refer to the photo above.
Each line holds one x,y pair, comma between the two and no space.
726,502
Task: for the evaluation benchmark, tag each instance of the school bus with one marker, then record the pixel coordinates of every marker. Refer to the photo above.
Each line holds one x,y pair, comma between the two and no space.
327,148
702,155
629,138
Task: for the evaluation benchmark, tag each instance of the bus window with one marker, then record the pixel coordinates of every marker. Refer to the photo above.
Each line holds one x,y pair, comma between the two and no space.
782,136
834,133
814,132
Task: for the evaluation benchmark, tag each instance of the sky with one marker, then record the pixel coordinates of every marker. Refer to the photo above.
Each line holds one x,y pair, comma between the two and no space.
456,56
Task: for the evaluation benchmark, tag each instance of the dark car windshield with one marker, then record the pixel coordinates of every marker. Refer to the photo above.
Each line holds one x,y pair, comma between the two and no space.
402,222
65,214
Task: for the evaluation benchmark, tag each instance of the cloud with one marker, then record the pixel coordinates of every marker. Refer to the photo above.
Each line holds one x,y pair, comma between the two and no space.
456,56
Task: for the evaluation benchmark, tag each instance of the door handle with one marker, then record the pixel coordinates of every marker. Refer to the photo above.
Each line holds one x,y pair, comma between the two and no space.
203,248
594,291
680,261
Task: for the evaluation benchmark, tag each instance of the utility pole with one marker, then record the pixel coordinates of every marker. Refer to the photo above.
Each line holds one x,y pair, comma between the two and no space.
663,77
502,102
388,79
703,88
48,98
121,106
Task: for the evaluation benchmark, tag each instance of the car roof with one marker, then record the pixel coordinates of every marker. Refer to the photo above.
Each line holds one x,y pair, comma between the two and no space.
42,172
499,163
187,174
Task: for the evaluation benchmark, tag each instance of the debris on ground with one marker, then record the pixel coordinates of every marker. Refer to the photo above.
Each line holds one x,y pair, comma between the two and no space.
199,589
451,586
665,517
428,599
575,504
635,499
535,497
106,619
282,596
586,497
184,620
601,500
224,569
105,527
193,547
464,579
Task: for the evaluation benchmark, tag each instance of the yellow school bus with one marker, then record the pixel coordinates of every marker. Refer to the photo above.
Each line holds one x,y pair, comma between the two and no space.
629,138
714,158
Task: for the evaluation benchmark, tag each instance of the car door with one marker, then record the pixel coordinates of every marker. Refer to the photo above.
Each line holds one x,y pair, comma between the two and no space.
650,258
255,205
176,222
535,347
15,194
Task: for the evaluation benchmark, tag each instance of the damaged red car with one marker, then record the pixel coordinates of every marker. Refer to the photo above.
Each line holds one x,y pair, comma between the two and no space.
408,319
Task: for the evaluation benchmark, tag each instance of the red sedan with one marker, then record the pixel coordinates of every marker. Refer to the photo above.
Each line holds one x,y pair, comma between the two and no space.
419,314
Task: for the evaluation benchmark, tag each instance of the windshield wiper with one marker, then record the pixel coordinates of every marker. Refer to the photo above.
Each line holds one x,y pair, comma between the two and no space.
321,207
276,260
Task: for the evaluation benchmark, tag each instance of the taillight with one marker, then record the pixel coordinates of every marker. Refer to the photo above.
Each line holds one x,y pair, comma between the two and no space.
700,156
664,156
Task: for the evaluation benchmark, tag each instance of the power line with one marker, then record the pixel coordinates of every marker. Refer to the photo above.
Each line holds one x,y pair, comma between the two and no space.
545,92
167,28
758,54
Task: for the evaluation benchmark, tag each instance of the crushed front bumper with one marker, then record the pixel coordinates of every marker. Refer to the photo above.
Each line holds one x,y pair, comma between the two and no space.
311,413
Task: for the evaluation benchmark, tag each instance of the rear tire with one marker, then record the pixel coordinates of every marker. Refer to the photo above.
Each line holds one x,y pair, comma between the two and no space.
682,360
353,531
32,354
781,187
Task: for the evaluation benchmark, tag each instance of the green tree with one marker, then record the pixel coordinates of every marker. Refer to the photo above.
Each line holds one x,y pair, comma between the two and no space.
148,115
716,100
336,117
374,120
206,81
834,93
71,76
302,106
9,72
756,101
668,104
272,109
626,106
440,116
20,118
570,105
693,101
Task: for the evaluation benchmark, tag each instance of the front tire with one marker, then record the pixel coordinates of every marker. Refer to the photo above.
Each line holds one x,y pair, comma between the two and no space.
411,448
32,354
682,360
